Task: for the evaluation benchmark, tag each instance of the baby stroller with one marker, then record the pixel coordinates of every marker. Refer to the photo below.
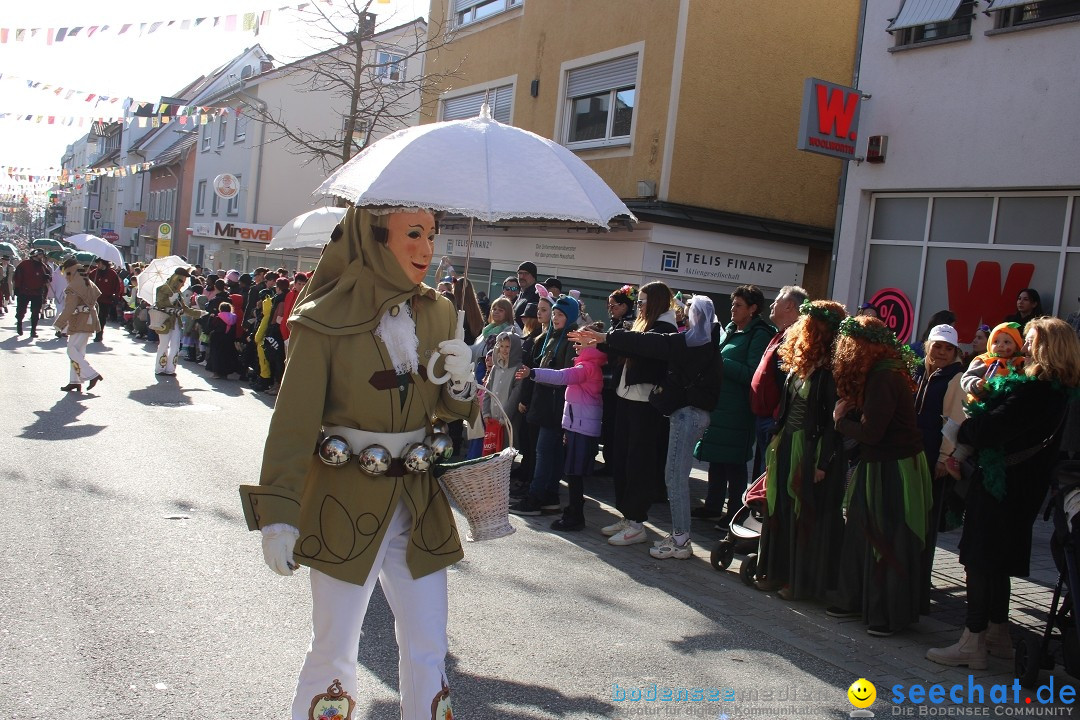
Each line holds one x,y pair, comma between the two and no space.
1032,653
743,533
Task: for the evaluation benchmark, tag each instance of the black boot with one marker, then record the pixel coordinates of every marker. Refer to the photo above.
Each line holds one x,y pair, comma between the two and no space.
97,338
18,327
33,330
573,519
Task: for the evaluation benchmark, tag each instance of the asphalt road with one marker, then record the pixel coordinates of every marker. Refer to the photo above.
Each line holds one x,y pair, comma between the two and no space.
130,587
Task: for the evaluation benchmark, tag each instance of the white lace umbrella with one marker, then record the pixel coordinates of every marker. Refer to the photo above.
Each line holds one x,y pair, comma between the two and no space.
312,229
156,273
99,246
479,168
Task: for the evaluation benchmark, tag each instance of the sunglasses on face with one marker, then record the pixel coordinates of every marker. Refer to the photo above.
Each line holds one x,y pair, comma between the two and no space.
511,288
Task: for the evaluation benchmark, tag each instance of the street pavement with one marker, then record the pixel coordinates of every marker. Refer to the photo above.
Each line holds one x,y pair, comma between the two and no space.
132,589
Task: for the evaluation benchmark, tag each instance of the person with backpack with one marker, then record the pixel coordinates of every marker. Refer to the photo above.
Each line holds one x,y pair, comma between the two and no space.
687,395
767,385
728,442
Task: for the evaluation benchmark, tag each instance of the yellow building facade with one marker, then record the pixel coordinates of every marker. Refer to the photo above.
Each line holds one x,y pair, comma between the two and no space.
689,109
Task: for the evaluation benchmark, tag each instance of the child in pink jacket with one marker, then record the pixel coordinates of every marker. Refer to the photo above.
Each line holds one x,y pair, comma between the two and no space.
582,415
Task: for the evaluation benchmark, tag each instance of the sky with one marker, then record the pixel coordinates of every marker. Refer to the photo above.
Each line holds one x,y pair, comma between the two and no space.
128,65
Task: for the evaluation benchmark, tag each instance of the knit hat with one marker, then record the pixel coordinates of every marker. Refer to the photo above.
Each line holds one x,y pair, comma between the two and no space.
528,267
569,307
1009,328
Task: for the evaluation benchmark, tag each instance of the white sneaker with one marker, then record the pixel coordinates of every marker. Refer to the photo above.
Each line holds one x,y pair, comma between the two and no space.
668,548
614,528
629,536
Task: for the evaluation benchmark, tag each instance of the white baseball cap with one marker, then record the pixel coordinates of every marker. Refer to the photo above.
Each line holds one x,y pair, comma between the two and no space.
943,333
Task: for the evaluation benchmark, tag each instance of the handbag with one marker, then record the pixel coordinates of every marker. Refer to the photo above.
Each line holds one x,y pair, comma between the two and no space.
668,395
493,436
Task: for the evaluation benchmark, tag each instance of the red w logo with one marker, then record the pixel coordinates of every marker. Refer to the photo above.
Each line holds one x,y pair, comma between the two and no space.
835,112
984,300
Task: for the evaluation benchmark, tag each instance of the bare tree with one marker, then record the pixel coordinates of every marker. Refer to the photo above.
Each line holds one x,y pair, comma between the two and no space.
369,76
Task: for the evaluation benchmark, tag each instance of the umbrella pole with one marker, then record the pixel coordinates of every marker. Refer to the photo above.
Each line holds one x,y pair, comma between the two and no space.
468,254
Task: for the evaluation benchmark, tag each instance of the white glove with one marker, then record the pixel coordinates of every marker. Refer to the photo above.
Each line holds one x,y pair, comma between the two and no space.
278,541
457,359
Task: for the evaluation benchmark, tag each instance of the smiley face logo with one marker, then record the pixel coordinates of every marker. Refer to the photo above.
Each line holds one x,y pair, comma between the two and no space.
862,693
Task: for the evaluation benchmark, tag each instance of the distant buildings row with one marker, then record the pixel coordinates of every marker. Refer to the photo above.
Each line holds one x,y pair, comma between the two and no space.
690,110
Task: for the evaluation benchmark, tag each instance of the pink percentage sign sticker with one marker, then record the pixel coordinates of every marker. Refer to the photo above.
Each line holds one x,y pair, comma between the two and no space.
896,311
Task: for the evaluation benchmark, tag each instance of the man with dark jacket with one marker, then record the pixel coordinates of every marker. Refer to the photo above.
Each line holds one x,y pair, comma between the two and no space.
31,281
112,291
526,274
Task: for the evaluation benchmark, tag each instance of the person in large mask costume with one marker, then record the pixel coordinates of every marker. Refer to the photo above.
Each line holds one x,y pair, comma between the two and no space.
78,320
360,334
168,300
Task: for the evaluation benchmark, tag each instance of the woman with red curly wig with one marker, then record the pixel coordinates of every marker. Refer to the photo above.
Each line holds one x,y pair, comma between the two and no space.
888,501
805,464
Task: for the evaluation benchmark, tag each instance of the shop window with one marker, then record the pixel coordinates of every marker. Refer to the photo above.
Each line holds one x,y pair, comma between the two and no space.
470,11
600,101
961,220
500,100
921,21
902,219
200,198
1030,221
1016,13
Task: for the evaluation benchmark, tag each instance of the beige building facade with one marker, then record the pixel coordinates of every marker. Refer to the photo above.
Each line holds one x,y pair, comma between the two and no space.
689,109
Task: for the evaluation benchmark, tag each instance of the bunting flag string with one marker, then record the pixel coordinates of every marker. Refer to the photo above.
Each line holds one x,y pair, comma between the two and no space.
142,107
245,22
66,176
149,115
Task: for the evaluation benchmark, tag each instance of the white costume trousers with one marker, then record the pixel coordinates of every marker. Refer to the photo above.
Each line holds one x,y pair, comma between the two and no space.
168,348
80,367
420,612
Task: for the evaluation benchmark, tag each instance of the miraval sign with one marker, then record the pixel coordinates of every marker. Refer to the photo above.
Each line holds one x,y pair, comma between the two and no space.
830,119
237,231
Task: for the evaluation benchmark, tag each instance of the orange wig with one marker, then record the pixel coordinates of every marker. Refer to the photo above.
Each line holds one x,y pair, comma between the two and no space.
809,343
858,351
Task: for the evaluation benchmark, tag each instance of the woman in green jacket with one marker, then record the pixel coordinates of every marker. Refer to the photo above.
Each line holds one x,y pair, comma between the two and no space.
729,440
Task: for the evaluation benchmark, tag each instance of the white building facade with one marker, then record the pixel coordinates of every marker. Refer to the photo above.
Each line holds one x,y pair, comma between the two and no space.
979,193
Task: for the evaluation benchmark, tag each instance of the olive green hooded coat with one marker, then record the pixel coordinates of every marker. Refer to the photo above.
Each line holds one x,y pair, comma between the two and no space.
339,373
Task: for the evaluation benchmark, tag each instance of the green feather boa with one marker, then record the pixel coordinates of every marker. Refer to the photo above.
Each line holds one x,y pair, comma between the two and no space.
992,460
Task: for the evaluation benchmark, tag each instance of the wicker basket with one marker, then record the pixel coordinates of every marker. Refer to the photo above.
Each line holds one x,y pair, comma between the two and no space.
158,319
481,488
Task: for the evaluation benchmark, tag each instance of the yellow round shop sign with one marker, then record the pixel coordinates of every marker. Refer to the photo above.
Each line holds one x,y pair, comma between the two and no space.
164,230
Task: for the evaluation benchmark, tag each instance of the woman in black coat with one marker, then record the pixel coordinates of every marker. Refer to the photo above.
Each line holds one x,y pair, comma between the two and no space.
641,432
1016,432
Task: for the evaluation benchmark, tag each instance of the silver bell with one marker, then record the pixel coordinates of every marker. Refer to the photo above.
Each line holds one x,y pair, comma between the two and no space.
418,458
441,444
375,460
334,451
440,427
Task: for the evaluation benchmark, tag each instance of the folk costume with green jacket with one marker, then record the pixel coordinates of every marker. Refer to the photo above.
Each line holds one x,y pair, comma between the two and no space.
339,373
167,299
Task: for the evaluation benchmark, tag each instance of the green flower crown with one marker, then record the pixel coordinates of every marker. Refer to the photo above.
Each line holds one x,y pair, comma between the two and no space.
881,335
818,312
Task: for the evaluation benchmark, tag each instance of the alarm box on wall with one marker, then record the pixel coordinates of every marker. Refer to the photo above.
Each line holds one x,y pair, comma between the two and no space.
876,147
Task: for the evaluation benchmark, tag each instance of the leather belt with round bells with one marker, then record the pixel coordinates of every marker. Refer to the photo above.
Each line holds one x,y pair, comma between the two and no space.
376,460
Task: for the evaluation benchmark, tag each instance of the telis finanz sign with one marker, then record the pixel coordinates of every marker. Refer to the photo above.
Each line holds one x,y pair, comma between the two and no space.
829,123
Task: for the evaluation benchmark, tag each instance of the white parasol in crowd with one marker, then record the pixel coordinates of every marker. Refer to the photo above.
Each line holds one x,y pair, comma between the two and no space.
99,246
312,229
156,273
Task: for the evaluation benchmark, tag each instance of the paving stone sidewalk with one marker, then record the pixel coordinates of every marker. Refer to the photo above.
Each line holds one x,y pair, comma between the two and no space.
804,625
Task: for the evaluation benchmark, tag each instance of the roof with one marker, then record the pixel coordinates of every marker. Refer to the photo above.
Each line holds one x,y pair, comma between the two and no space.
172,153
729,222
106,158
